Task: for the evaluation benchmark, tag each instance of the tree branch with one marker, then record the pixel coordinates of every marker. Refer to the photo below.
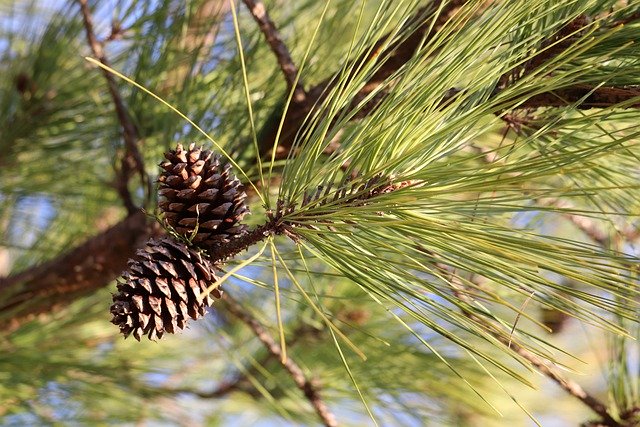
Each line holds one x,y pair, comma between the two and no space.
98,261
241,382
222,390
583,95
584,223
394,56
88,267
587,226
227,250
132,159
544,367
586,97
310,390
271,34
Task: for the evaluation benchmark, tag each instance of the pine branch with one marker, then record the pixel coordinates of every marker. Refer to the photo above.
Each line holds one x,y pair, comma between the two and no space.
279,48
629,19
551,47
590,229
584,96
310,390
88,267
132,159
401,51
98,261
593,231
224,388
219,392
395,55
571,387
234,247
95,264
585,224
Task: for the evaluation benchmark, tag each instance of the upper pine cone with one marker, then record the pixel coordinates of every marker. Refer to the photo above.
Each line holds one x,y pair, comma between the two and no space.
197,192
161,290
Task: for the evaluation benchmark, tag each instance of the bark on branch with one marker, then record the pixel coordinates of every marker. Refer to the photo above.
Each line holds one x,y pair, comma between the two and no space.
586,97
88,267
271,34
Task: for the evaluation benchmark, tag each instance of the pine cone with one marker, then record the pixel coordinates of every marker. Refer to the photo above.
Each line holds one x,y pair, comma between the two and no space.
197,193
161,288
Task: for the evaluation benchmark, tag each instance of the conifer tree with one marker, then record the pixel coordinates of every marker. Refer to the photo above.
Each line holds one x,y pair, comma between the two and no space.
444,203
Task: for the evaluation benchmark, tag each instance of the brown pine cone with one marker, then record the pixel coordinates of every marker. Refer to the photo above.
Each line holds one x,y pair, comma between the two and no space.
161,290
201,199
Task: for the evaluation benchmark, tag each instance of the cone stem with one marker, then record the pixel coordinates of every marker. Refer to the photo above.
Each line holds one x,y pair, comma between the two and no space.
228,250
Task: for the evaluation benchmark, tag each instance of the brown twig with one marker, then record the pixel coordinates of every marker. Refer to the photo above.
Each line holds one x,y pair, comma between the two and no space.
240,381
221,391
279,48
544,367
627,20
552,46
225,387
583,223
229,249
570,386
587,226
586,97
309,389
132,160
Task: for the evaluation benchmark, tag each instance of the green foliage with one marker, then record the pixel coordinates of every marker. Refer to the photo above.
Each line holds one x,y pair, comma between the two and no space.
480,203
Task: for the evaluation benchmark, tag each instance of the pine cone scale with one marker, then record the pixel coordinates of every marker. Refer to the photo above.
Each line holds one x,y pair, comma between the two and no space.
163,286
181,291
